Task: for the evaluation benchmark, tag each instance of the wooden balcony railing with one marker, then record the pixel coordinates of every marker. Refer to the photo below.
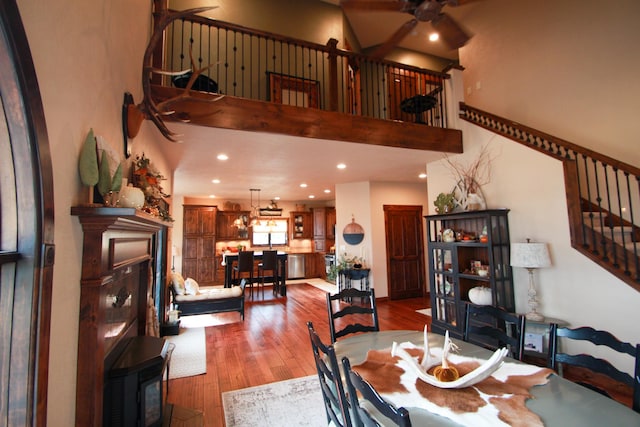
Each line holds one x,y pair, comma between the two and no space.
603,195
263,66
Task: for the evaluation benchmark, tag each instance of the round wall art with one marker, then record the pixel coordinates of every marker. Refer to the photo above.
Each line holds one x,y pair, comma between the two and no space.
353,233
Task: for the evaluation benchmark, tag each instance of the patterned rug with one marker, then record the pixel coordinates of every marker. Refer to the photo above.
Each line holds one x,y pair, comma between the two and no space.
425,311
295,402
189,356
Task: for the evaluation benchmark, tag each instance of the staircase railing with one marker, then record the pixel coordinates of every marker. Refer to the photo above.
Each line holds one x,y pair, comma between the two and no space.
603,195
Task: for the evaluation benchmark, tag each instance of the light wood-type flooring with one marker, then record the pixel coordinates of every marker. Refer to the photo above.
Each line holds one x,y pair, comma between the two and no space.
272,344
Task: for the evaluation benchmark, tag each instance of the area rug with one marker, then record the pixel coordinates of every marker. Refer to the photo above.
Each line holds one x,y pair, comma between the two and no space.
189,356
323,285
425,311
296,402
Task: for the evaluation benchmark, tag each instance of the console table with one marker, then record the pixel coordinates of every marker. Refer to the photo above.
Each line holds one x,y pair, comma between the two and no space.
347,277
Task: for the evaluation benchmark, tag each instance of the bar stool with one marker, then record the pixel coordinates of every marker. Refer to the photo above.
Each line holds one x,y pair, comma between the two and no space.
269,263
244,265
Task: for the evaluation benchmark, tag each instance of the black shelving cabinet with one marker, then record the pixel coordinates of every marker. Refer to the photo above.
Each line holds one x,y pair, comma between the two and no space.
459,245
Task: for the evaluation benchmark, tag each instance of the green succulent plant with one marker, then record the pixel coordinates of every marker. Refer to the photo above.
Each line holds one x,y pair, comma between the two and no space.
444,203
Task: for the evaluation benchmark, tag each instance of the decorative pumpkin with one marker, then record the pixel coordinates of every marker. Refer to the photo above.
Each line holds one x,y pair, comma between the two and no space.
480,295
446,374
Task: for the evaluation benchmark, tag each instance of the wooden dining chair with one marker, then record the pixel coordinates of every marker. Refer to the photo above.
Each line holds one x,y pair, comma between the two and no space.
335,401
492,327
269,263
244,266
346,315
556,359
360,415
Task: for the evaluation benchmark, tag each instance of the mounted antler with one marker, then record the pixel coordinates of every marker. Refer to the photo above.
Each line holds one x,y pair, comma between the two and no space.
156,111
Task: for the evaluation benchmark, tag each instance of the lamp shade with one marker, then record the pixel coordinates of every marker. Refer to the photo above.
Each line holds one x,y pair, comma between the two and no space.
530,255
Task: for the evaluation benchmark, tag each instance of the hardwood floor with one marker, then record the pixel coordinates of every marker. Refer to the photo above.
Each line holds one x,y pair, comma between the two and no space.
272,344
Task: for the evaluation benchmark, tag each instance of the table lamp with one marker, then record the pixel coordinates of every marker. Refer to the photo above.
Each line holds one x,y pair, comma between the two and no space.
531,256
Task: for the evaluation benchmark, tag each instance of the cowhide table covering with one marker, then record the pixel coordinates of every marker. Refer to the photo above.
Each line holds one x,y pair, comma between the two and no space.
497,401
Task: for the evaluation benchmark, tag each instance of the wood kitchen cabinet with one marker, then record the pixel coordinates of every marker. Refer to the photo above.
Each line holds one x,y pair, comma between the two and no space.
460,245
225,228
324,222
301,225
199,243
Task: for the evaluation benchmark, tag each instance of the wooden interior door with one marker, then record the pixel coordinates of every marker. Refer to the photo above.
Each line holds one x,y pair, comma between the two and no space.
405,251
401,85
199,244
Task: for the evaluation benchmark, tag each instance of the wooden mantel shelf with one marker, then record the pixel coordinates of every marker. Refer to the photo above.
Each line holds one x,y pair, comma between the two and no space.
117,213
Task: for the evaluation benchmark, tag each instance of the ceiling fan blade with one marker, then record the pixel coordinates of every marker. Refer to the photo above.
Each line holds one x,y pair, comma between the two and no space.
450,32
396,38
378,5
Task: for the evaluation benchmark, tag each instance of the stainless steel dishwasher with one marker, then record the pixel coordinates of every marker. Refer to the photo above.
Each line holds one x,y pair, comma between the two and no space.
295,270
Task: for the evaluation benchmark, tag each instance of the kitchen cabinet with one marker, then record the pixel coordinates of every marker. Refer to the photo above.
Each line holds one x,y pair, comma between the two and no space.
466,250
324,222
314,265
301,225
225,228
199,243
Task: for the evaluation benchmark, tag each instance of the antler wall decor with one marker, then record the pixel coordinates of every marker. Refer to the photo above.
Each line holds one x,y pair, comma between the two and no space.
148,107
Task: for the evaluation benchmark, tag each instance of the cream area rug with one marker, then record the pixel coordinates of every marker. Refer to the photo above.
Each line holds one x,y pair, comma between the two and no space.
295,402
425,311
189,356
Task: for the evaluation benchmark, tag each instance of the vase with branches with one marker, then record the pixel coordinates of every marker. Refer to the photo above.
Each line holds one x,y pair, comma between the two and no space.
470,177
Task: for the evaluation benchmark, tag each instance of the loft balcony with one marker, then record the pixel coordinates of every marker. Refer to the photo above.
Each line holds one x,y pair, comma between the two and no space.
276,84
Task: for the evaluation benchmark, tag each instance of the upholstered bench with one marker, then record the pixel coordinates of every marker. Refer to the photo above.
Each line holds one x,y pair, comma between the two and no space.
190,299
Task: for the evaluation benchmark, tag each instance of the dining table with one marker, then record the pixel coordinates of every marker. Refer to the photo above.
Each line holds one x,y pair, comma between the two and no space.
231,258
558,403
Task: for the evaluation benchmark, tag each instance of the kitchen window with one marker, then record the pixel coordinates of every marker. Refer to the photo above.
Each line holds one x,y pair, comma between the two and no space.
272,232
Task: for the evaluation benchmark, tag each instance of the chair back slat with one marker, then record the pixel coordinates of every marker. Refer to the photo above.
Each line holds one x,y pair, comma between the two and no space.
335,401
492,327
361,416
557,359
339,322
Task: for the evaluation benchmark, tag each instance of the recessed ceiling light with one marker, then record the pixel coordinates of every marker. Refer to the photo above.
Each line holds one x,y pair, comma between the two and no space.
215,181
341,166
327,191
223,157
303,185
422,175
276,198
433,37
212,196
311,196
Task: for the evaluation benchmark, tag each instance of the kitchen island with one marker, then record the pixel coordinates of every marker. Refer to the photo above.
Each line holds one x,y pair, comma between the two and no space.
229,259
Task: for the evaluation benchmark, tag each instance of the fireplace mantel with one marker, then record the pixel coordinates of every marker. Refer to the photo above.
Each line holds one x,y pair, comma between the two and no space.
120,250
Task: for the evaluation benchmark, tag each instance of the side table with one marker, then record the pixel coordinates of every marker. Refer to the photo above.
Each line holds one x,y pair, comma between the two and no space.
536,339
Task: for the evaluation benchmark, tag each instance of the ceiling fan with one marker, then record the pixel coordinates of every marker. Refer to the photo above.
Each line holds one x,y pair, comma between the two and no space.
423,11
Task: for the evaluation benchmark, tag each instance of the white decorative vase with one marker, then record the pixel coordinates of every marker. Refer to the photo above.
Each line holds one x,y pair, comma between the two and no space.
480,295
131,197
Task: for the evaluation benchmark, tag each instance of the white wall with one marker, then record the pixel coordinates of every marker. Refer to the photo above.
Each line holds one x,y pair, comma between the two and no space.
86,55
568,67
366,200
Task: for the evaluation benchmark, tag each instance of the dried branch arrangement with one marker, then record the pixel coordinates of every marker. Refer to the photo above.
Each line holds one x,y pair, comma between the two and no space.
473,175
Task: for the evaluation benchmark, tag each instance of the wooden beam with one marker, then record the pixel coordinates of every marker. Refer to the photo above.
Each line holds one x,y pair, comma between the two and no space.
260,116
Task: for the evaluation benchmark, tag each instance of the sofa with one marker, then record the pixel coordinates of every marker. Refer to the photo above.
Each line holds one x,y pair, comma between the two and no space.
191,299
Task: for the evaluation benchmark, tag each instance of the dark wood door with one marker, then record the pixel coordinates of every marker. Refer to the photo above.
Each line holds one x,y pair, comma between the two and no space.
199,244
405,253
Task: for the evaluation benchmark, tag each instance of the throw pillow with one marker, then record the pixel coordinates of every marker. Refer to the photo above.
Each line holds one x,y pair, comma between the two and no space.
177,281
191,287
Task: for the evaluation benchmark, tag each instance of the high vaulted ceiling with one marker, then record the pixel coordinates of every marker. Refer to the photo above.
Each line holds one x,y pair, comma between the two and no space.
278,164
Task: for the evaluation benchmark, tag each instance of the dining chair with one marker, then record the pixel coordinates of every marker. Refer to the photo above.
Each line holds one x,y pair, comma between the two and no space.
556,359
345,314
269,263
244,266
335,401
361,414
493,327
